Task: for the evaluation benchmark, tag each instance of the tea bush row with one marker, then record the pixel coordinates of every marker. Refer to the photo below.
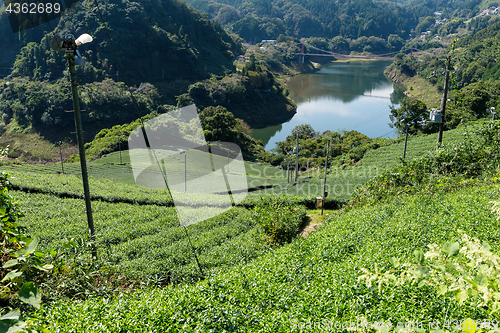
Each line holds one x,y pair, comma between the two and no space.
312,282
451,167
147,240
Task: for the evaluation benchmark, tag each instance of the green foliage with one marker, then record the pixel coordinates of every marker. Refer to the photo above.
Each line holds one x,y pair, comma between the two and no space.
312,280
111,139
473,59
279,222
193,43
21,263
77,274
452,166
42,106
466,270
254,96
220,125
350,19
351,145
410,113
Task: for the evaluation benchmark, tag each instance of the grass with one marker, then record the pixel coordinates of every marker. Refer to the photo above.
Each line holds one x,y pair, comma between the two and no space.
31,147
416,86
312,281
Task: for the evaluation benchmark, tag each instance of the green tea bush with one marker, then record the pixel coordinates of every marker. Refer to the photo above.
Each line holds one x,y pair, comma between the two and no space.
278,221
309,282
450,167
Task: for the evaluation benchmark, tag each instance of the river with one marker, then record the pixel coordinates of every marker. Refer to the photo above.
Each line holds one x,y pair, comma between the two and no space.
353,95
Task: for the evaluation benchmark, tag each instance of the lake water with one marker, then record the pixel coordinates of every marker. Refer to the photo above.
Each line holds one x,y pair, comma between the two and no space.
340,96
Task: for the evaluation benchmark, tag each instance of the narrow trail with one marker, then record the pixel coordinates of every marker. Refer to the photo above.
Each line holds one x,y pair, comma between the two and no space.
314,221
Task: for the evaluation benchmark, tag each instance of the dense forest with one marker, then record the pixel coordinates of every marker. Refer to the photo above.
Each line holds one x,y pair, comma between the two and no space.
148,36
164,49
173,55
258,20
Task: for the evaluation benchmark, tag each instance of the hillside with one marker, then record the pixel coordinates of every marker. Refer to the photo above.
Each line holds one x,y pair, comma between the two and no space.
183,51
267,20
312,281
252,275
168,32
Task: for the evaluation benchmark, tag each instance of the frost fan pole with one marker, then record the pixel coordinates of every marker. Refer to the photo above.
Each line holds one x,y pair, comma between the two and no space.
324,182
297,159
81,149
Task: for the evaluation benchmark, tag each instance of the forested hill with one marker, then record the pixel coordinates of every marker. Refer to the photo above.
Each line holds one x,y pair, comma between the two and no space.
478,56
475,59
156,40
305,18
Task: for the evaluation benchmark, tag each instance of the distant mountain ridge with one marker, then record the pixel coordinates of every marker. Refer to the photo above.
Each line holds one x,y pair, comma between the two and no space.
156,41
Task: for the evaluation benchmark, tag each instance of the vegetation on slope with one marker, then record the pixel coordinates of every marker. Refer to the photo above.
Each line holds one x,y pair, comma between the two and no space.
313,281
167,32
267,20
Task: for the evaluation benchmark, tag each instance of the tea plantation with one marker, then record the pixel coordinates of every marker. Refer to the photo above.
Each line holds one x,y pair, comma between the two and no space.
310,283
258,276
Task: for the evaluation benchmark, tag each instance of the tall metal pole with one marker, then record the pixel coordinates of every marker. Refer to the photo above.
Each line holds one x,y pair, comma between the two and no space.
81,148
445,96
324,181
120,148
406,140
297,159
183,152
60,153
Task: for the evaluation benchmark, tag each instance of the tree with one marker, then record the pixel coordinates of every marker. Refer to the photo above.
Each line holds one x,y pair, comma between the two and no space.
411,111
395,42
305,132
220,125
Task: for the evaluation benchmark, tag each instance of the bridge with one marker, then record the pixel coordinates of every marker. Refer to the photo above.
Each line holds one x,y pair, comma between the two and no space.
340,56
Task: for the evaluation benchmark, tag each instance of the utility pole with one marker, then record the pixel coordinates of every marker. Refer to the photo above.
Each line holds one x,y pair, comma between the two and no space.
79,133
324,181
445,96
297,159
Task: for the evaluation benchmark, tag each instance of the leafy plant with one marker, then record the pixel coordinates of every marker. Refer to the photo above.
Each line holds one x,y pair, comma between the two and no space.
22,265
279,222
451,167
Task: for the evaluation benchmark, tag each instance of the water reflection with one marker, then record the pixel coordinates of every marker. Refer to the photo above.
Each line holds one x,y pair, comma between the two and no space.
341,96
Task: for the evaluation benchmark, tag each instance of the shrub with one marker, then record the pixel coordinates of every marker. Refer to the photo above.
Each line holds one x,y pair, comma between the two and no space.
21,264
450,167
279,222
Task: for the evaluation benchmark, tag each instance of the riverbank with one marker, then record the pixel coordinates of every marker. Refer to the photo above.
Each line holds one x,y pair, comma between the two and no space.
415,86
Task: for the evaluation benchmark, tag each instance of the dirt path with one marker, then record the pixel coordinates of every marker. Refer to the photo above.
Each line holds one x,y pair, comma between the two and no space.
313,222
